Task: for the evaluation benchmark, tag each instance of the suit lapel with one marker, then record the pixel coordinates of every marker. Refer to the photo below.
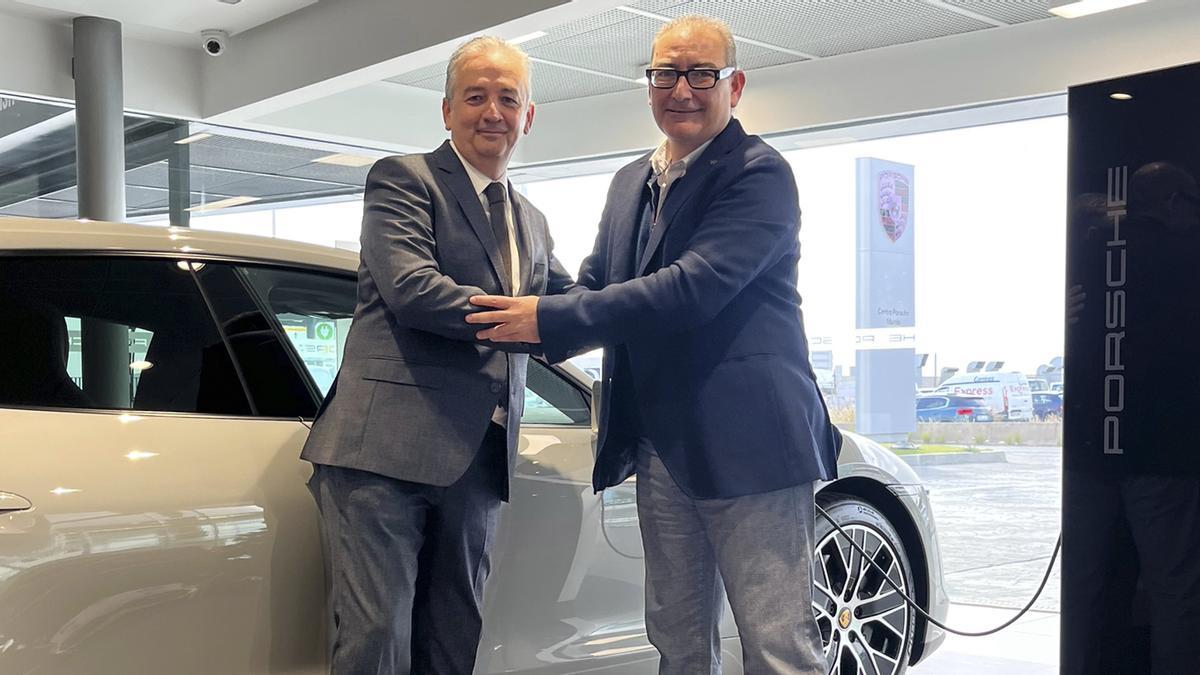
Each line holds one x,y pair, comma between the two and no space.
682,190
627,220
468,200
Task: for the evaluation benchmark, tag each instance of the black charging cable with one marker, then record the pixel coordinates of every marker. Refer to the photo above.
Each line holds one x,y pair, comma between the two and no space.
913,603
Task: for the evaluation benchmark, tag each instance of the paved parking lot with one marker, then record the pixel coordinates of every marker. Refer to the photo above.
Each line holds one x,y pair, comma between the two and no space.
998,523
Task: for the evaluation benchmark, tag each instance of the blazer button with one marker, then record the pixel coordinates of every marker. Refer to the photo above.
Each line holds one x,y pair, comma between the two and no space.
497,387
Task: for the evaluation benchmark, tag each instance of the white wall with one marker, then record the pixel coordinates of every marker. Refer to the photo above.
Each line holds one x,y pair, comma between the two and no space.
35,59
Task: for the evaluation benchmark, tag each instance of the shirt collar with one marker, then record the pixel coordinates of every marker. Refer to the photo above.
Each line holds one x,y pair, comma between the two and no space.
479,180
658,161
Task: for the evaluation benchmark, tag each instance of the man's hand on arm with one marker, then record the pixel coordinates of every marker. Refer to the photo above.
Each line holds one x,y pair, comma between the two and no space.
512,319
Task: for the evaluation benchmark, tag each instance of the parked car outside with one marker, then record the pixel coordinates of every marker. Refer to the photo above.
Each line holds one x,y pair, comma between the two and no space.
158,384
1047,404
1007,394
952,408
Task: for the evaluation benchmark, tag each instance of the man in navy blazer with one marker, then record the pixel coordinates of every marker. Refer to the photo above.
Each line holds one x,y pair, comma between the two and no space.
709,395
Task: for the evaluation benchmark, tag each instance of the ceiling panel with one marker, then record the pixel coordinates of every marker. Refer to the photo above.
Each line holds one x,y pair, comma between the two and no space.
829,27
550,83
925,26
1008,11
617,42
266,187
619,48
412,78
242,154
355,176
135,196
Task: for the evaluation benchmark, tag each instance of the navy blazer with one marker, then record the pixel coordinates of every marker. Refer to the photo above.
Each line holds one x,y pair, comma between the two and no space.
705,344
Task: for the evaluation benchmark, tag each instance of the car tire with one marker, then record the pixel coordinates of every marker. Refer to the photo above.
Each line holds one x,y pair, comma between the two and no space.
858,615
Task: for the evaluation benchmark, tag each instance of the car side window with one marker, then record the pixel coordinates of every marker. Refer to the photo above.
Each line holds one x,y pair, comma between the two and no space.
930,403
314,311
111,333
550,399
271,374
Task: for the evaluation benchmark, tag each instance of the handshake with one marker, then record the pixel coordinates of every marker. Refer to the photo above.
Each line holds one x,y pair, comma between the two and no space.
508,319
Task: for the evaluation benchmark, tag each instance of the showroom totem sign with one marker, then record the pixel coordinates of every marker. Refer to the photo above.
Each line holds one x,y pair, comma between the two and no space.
885,342
1131,461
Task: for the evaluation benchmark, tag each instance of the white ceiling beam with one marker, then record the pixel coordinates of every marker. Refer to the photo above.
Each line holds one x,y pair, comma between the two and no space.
589,71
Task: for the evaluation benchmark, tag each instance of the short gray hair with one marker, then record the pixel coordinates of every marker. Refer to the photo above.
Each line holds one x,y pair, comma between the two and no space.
693,22
483,45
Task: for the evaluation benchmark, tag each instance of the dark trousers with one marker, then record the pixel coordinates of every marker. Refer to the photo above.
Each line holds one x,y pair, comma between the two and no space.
407,565
1119,531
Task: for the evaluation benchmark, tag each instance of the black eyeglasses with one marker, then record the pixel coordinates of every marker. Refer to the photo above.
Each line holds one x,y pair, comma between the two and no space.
697,78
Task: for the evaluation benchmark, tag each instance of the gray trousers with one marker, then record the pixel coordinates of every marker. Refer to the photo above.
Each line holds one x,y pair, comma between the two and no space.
759,545
407,564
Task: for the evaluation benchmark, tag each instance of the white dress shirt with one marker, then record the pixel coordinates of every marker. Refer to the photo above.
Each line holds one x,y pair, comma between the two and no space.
480,181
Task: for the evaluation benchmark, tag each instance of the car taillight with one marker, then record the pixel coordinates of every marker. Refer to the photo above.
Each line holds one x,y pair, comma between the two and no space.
964,411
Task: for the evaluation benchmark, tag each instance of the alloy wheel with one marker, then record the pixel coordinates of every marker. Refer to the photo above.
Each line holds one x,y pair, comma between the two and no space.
863,621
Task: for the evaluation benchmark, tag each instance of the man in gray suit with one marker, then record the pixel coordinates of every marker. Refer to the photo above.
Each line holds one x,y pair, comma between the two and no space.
414,445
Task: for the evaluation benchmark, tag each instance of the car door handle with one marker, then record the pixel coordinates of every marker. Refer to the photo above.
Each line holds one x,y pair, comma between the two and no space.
12,502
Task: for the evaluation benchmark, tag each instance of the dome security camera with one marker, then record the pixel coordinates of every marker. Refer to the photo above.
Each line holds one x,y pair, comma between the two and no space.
214,42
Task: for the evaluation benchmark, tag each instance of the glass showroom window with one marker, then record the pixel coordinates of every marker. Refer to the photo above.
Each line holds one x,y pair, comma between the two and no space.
186,173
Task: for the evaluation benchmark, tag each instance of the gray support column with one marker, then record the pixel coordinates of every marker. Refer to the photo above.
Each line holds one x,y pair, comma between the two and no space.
100,165
99,118
179,181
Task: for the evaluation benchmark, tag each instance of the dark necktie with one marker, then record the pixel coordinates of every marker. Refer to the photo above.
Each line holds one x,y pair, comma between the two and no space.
495,196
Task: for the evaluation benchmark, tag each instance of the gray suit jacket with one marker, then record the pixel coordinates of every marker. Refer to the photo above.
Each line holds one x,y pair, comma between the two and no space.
416,392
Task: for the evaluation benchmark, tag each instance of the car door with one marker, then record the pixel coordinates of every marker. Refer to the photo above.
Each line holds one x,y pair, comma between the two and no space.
562,598
166,526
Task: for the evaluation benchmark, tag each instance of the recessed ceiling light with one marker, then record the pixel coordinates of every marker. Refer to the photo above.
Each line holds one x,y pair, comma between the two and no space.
222,204
1070,9
528,36
345,159
1120,96
193,138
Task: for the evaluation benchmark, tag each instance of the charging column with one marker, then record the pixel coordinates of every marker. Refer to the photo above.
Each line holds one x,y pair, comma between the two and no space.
1131,434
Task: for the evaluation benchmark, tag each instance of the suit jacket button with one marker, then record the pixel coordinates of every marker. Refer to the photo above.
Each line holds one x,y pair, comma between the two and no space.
496,387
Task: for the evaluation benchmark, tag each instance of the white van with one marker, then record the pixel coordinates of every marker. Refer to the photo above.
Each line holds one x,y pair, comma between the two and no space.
1007,394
